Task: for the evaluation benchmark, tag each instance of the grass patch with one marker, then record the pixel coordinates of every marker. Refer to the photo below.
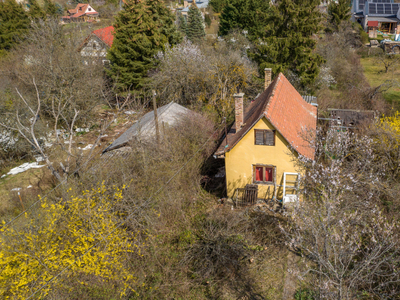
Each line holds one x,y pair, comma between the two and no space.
375,74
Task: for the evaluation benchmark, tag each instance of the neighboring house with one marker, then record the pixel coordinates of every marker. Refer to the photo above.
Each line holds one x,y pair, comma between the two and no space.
97,43
82,13
381,14
201,4
259,147
168,115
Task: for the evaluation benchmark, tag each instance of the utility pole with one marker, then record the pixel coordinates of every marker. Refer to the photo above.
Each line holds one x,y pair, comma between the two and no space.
156,118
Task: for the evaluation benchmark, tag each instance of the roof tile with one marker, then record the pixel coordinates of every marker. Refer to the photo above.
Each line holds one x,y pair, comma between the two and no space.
286,110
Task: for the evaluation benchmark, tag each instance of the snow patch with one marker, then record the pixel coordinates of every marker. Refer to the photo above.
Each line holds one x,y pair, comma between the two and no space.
24,167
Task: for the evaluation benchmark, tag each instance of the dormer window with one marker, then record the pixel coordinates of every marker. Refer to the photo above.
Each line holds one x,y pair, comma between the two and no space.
264,137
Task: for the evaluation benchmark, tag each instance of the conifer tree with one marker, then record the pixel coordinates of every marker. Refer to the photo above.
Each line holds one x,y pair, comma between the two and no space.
137,38
35,11
195,30
288,45
183,25
339,12
165,21
50,8
14,23
218,5
249,15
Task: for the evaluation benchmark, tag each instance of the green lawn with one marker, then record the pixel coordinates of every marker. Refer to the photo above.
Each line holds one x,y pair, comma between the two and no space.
375,74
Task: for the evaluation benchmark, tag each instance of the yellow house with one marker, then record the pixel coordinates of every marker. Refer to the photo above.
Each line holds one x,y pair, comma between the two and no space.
258,149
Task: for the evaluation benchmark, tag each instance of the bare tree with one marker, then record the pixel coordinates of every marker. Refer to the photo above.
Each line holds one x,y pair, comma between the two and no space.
348,245
204,75
55,92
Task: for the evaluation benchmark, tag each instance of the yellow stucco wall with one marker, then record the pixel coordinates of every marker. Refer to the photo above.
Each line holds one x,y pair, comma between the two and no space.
240,160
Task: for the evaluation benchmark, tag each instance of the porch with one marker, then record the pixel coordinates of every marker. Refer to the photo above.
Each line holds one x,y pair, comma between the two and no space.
383,25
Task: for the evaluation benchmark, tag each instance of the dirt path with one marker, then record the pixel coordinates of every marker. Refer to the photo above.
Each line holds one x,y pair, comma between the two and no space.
289,287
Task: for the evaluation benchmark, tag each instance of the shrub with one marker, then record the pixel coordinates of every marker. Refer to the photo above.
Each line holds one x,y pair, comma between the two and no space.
80,233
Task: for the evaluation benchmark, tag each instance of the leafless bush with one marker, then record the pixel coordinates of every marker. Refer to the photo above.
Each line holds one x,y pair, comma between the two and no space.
349,88
219,251
349,246
204,76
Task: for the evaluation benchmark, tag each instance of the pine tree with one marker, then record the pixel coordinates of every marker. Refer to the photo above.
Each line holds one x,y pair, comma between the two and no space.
339,12
50,8
165,21
137,38
288,45
14,23
249,15
35,11
183,25
195,29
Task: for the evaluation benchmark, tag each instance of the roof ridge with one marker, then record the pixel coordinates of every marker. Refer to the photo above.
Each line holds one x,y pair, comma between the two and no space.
273,92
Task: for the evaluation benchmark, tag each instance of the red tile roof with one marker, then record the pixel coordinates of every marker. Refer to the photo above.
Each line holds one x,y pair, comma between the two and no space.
105,34
80,7
286,110
373,24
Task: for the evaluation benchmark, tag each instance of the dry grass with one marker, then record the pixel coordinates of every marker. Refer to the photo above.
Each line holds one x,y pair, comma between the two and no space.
375,74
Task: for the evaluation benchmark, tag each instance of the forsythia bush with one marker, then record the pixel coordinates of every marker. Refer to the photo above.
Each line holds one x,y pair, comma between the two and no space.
392,122
57,235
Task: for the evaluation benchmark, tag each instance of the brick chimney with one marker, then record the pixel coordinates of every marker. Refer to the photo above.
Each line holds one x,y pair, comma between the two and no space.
268,76
238,110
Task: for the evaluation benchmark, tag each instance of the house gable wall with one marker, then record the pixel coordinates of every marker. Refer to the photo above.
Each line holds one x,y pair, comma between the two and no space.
239,161
99,51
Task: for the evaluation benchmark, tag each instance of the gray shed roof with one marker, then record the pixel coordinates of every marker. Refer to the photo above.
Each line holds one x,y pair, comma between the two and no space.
383,19
310,99
145,127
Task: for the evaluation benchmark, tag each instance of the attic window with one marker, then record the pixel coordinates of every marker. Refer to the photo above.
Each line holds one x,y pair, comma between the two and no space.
94,45
89,9
264,137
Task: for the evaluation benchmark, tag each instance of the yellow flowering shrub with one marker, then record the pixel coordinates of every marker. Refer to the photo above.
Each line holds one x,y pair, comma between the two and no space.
55,237
391,123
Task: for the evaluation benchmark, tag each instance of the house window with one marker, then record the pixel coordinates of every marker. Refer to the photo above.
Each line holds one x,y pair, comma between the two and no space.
263,174
264,137
94,45
89,9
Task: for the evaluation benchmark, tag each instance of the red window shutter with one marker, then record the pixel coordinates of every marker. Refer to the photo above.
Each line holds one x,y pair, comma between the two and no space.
259,173
269,174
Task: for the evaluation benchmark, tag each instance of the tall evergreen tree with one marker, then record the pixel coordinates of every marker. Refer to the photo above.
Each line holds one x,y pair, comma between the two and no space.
218,5
339,12
195,29
165,21
50,8
288,45
183,25
137,38
14,23
35,11
250,15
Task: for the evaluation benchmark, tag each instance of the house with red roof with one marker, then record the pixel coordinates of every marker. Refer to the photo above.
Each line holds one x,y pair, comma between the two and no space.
81,13
97,43
268,135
